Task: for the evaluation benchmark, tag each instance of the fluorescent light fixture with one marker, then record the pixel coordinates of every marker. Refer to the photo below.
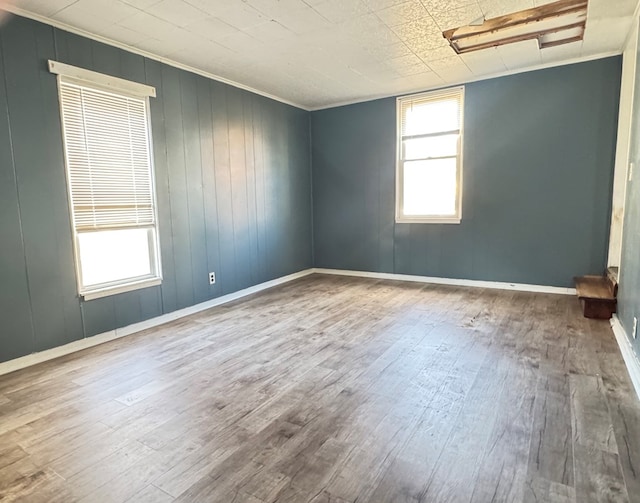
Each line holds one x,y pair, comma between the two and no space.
552,24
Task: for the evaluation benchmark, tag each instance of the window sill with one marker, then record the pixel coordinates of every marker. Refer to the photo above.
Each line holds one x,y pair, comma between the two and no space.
426,220
114,290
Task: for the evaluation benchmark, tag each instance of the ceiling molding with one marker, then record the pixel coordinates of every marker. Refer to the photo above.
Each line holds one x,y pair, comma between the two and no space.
582,59
634,25
56,24
65,27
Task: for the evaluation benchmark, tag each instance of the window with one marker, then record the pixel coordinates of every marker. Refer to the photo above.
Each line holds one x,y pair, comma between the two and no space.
110,180
429,164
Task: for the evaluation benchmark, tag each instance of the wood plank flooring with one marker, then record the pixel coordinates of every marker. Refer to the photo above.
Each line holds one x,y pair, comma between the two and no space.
333,389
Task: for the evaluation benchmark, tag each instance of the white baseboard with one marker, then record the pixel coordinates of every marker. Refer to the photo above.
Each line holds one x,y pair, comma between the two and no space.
72,347
50,354
521,287
630,358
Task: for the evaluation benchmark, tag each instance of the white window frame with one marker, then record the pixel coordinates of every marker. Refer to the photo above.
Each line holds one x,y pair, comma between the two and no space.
428,219
93,80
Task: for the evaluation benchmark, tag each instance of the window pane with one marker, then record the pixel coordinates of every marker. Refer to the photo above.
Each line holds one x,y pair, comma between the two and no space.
432,117
114,255
430,187
432,146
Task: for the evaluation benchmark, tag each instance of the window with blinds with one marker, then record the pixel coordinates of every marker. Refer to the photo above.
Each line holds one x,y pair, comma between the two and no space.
111,186
429,157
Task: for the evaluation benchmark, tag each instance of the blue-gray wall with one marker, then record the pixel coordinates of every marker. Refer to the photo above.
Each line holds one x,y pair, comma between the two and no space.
233,173
233,188
629,280
538,168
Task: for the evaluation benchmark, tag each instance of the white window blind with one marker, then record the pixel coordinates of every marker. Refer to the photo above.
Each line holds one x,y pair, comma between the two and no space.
105,124
432,113
109,163
429,165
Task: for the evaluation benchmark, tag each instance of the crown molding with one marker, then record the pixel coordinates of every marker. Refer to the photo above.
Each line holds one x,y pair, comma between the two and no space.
581,59
63,26
170,62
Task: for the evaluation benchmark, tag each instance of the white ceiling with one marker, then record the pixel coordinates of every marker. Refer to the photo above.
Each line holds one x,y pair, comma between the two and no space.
318,53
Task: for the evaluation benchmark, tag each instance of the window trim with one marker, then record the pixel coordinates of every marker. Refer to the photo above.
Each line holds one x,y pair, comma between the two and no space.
101,82
429,219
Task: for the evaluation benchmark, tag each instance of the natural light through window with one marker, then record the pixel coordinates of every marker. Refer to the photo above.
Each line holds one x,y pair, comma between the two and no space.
429,174
110,179
110,256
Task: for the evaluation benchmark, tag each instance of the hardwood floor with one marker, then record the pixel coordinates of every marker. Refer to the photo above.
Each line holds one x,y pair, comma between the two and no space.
333,389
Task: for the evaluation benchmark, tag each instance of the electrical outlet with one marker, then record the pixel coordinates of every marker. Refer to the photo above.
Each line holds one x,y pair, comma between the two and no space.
635,327
212,278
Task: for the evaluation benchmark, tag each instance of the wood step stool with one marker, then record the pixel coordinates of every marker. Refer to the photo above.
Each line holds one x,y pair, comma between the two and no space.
598,295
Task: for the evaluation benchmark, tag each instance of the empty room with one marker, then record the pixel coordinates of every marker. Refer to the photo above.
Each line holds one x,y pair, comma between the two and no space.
319,251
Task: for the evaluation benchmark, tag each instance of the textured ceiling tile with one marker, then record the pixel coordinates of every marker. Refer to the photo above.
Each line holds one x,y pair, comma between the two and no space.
124,35
44,8
407,71
455,74
321,52
603,9
155,46
211,8
109,11
418,83
239,42
182,40
446,63
425,27
484,62
366,31
376,5
200,52
404,61
272,8
389,51
141,4
149,25
561,52
175,12
379,73
83,20
497,8
402,13
336,43
240,15
520,54
424,44
269,31
443,5
437,54
383,37
301,21
336,11
454,18
211,28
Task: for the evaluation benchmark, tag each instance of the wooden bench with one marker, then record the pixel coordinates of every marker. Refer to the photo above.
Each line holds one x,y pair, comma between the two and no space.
598,295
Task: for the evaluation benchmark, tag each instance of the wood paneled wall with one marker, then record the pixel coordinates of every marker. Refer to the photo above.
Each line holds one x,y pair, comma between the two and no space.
233,188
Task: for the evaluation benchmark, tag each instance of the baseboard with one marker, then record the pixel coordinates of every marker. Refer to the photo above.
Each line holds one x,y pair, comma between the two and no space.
521,287
72,347
630,358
